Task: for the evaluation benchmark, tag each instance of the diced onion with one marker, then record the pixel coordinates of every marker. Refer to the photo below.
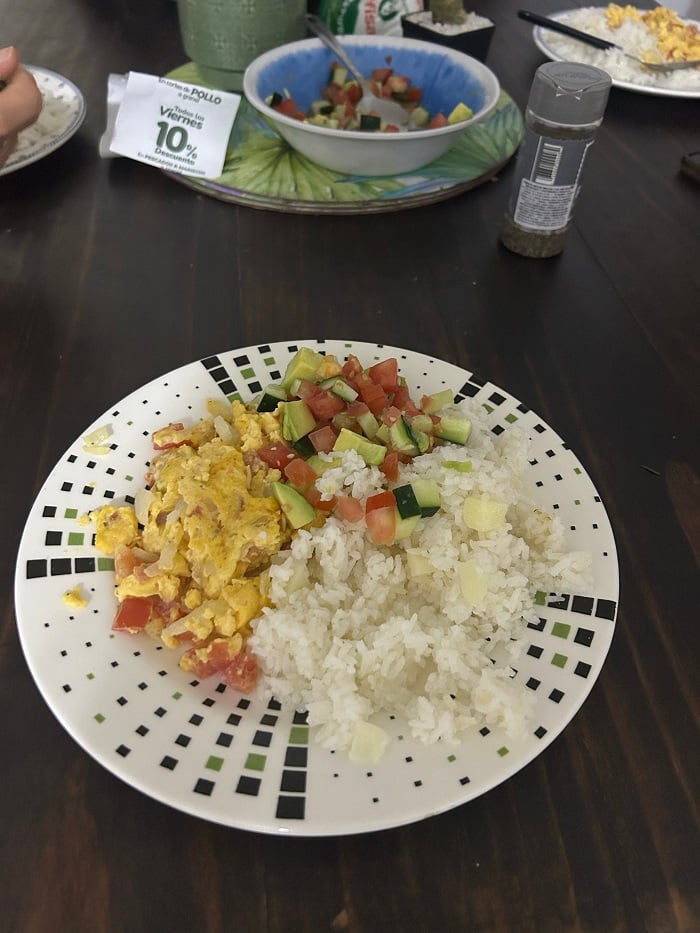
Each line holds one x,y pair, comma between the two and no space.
224,430
98,436
142,501
176,512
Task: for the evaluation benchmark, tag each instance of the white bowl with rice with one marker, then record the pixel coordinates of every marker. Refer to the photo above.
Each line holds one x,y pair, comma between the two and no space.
625,74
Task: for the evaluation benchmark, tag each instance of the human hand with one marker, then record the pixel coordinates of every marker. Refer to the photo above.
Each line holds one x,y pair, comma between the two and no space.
20,101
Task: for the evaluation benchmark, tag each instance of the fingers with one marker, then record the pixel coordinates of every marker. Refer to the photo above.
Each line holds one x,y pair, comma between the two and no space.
9,62
20,99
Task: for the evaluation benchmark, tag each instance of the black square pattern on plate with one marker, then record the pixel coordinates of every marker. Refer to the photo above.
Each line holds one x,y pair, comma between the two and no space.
296,756
293,782
248,785
582,604
204,787
290,808
605,609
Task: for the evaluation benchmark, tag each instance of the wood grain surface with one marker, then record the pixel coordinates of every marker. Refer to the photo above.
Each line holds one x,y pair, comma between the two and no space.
111,274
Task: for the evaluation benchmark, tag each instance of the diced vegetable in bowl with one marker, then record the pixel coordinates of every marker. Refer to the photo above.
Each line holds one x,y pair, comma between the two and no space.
315,104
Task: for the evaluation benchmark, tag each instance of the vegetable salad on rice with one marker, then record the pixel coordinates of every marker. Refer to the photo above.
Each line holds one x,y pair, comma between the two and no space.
346,549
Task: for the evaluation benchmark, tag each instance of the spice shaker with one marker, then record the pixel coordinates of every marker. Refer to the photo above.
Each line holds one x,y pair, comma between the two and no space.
564,110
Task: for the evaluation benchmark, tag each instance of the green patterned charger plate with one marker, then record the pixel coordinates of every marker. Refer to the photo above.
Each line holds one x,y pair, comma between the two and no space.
262,170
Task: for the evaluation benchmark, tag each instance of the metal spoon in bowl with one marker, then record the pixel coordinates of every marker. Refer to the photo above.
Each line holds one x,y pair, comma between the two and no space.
556,26
388,110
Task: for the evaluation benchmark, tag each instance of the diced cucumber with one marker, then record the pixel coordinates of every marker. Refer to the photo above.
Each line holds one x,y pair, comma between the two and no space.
321,108
339,75
274,99
297,420
340,388
271,397
369,424
382,433
453,428
427,493
400,438
303,365
405,526
299,512
461,466
304,447
343,420
421,116
372,454
438,400
460,113
420,439
422,423
319,465
368,121
406,501
321,119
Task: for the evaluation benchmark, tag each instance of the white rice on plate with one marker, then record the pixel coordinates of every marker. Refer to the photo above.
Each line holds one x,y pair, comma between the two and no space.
358,628
631,36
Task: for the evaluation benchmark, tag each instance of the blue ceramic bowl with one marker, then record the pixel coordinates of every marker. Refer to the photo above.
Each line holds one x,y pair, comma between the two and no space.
445,76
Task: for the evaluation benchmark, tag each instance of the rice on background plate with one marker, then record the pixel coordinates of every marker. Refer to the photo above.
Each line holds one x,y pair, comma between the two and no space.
631,36
359,628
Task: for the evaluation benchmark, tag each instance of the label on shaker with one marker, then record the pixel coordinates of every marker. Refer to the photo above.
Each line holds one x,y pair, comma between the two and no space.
174,126
549,169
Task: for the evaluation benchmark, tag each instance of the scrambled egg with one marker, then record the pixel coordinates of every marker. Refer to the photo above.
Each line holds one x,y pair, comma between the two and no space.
676,40
197,544
74,598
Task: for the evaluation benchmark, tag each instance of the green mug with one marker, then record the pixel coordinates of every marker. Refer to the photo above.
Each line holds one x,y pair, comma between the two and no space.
222,37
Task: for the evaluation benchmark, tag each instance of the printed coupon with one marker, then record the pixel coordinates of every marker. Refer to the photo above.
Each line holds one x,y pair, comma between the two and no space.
174,126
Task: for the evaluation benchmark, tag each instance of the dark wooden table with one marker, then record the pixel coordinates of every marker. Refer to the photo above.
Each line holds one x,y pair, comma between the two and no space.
111,274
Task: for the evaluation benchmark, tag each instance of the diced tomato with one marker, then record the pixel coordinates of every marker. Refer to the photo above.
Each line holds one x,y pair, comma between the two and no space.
325,404
438,120
354,93
313,497
167,612
414,94
300,474
349,509
337,95
289,108
380,500
381,524
403,400
306,389
242,673
356,409
391,414
397,84
125,561
385,374
323,439
132,615
211,659
352,368
166,438
276,455
391,128
382,74
390,466
373,396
